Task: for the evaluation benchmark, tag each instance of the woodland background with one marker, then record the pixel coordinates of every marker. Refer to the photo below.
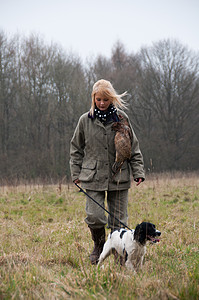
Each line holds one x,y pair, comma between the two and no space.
44,90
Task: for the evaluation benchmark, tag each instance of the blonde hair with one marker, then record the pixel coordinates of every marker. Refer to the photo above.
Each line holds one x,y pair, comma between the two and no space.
105,88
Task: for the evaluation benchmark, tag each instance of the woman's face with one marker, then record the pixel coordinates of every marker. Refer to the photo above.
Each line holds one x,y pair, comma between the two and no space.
102,102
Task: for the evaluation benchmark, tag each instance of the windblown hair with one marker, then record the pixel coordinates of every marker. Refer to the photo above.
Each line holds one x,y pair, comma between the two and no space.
106,89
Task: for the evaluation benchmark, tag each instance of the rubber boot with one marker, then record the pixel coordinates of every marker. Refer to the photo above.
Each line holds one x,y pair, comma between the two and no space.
98,236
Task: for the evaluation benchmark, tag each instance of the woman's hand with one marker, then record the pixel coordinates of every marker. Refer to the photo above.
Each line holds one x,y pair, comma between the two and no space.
76,181
138,180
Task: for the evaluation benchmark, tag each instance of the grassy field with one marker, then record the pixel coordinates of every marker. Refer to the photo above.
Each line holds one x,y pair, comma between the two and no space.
45,243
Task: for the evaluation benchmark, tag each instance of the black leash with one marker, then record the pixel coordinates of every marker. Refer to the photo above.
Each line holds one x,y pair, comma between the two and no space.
81,190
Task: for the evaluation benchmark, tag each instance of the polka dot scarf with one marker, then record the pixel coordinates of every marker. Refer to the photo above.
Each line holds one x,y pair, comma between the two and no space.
106,116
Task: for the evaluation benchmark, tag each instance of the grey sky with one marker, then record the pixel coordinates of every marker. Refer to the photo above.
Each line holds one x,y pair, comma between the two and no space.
91,27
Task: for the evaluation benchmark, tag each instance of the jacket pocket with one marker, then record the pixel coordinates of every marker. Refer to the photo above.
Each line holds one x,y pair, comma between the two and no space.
88,171
123,175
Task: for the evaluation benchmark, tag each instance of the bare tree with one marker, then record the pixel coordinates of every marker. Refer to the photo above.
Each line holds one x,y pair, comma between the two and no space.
8,81
70,102
168,93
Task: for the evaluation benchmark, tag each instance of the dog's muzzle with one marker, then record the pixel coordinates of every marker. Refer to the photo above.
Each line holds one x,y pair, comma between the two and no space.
154,239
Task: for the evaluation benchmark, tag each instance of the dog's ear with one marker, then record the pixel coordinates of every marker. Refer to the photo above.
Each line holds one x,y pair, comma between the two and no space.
137,228
137,232
140,233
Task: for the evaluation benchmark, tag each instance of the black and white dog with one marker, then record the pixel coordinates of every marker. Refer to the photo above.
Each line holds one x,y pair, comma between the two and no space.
130,244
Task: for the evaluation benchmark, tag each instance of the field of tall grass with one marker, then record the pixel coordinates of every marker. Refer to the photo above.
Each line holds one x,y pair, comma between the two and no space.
45,243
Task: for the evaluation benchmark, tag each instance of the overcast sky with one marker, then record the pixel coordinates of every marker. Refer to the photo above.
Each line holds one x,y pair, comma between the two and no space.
92,27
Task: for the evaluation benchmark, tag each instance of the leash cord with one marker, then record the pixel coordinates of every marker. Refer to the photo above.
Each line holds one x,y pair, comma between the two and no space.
81,190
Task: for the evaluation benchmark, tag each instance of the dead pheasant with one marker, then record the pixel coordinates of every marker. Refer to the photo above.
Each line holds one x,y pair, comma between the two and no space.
123,142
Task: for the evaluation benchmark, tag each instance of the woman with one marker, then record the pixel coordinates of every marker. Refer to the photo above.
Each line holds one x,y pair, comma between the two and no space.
92,156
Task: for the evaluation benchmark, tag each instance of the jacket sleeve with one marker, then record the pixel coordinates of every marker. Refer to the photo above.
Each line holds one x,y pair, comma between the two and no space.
77,145
136,161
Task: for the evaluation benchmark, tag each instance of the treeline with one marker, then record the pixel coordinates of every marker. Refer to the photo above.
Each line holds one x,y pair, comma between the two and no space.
44,90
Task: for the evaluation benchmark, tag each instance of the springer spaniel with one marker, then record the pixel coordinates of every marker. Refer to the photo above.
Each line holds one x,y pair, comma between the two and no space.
130,244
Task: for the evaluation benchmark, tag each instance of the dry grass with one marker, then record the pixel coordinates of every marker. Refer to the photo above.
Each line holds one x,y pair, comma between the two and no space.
45,243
